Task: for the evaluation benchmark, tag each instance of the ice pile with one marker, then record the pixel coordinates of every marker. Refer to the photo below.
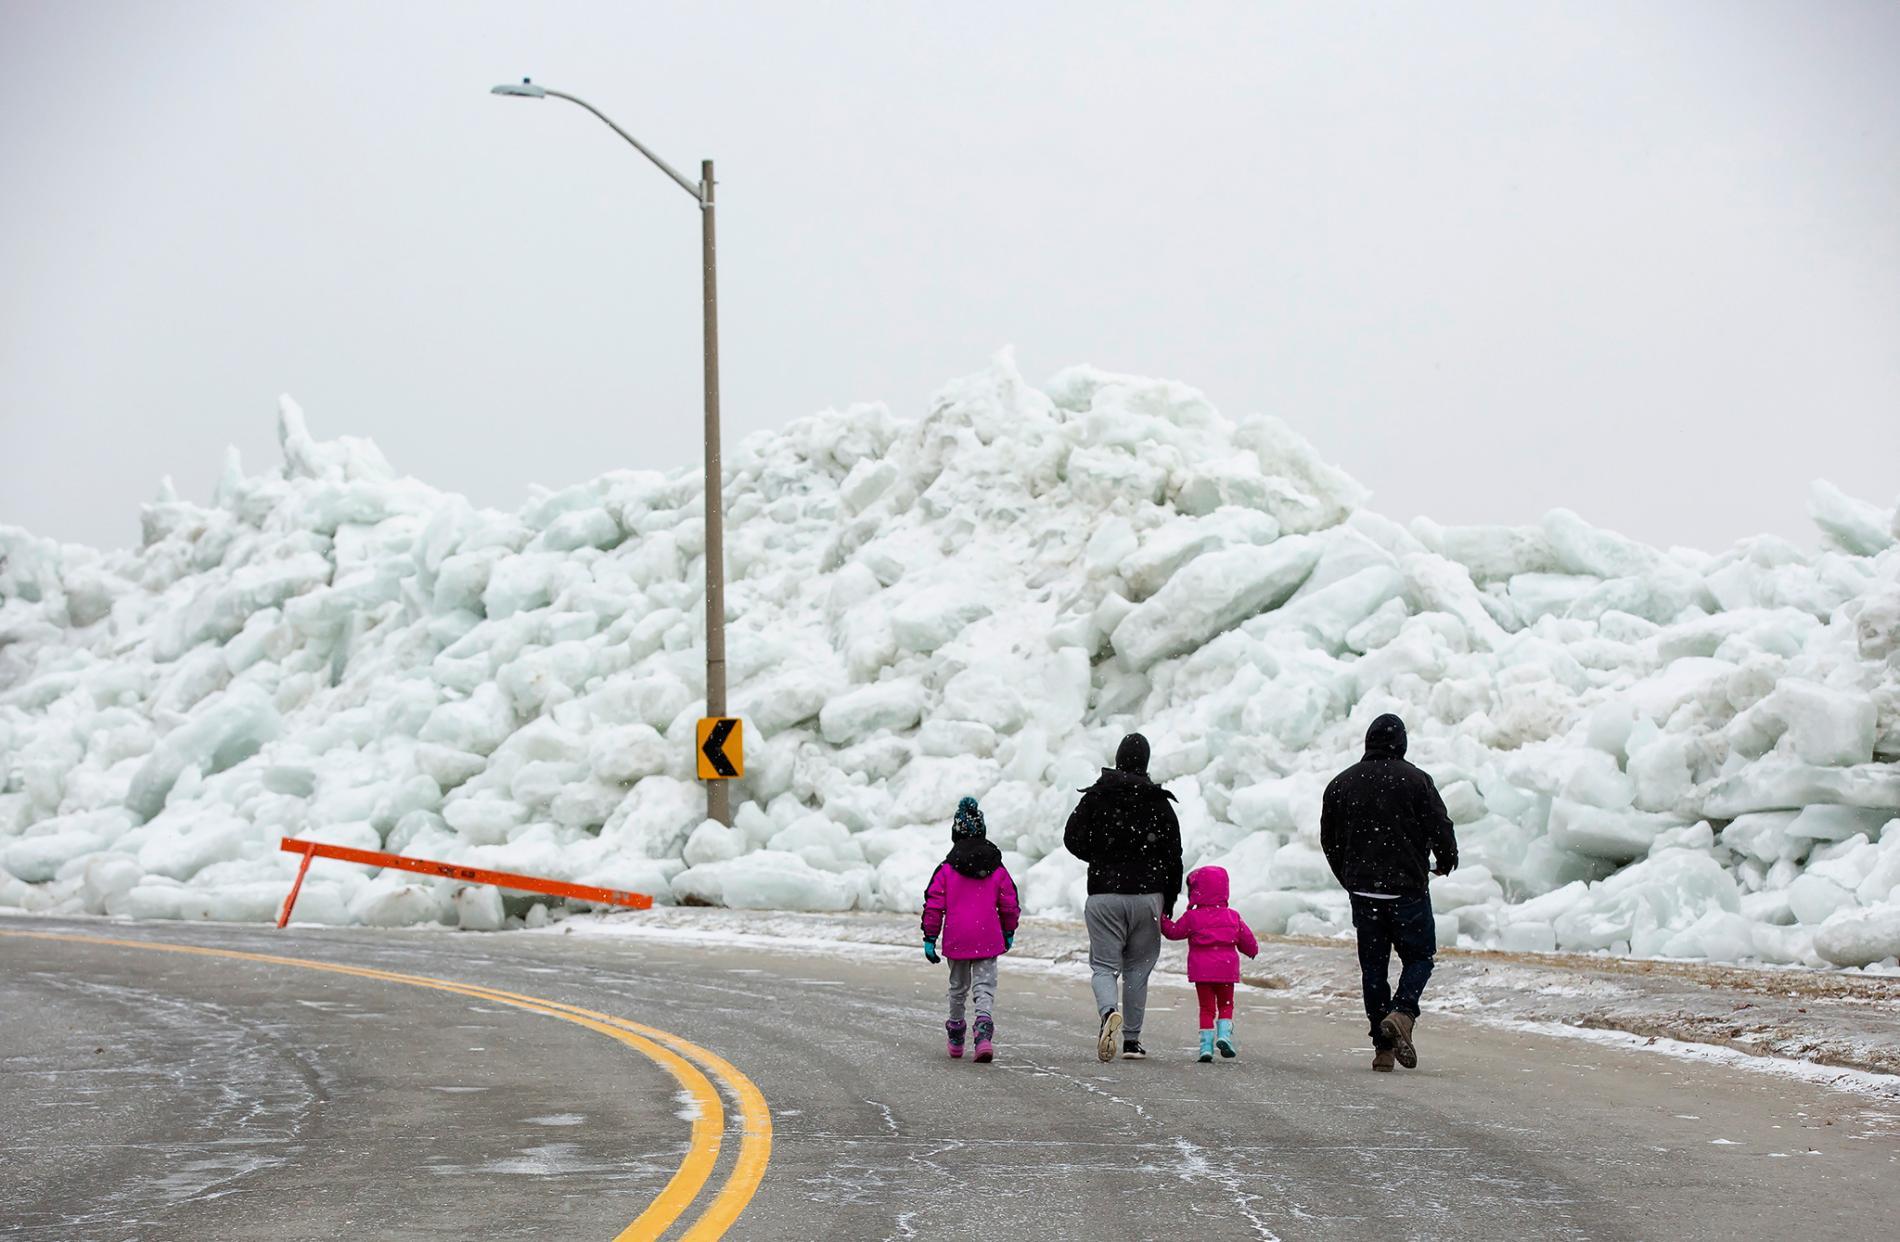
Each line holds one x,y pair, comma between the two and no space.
1646,751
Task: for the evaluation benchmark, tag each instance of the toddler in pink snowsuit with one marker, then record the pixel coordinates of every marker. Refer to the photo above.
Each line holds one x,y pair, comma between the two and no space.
971,904
1216,936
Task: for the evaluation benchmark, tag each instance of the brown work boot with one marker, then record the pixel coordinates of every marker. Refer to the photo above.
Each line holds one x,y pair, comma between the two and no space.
1382,1060
1397,1027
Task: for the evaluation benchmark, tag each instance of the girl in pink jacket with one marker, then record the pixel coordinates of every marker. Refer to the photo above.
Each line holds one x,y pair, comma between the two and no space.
1216,936
971,905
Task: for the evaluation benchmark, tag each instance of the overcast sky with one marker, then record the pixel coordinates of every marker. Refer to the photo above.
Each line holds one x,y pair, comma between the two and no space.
1642,261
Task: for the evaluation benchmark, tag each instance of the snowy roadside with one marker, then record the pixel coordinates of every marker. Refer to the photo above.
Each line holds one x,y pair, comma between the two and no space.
1838,1029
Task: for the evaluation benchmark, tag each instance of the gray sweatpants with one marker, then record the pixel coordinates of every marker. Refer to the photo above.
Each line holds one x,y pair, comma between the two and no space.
975,978
1124,941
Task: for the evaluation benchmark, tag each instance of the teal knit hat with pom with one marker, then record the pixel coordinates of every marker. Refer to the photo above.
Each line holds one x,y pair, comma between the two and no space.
969,821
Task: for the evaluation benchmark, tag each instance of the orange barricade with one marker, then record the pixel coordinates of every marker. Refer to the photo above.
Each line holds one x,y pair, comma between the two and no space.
451,871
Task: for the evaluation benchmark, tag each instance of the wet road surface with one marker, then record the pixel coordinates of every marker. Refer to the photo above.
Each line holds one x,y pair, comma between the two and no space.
164,1095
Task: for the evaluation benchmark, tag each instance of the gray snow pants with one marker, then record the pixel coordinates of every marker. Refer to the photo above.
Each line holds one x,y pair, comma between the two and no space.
975,978
1124,941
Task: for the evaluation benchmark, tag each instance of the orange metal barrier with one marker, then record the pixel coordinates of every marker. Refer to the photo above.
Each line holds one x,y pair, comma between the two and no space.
451,871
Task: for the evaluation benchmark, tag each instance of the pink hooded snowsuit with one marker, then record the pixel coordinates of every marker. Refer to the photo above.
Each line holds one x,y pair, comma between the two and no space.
1216,934
970,913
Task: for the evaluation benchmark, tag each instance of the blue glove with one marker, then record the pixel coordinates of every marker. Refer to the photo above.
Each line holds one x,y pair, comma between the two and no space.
930,952
1009,941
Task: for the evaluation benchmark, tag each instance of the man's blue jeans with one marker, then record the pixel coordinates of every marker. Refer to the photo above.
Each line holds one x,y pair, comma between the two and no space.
1405,924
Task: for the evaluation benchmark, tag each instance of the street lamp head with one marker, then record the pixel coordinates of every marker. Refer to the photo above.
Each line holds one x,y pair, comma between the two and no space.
525,89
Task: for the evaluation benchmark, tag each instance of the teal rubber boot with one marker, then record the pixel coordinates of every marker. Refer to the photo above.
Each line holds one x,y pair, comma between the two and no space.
1224,1037
1207,1047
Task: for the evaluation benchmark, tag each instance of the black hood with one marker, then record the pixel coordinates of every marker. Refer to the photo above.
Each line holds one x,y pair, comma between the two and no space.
1386,738
1116,780
1132,754
974,857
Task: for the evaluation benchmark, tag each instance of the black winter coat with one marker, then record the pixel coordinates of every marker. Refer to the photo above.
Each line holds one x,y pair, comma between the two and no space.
1382,820
1125,830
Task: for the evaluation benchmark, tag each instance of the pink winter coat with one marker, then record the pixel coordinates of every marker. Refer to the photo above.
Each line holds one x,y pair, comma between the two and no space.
1216,934
969,915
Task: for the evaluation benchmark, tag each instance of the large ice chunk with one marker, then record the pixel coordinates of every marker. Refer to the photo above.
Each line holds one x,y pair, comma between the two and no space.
627,753
1773,784
1851,525
861,712
221,612
230,731
1643,905
935,614
1174,544
820,841
1303,492
1860,937
789,698
476,725
1331,612
767,880
1212,594
713,842
1580,548
37,859
1617,835
1827,728
1495,553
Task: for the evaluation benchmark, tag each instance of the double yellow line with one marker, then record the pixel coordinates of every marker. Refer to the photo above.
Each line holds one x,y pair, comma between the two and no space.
687,1062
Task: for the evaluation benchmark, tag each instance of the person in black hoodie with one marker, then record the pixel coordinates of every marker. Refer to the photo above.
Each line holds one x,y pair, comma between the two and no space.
1382,824
1125,830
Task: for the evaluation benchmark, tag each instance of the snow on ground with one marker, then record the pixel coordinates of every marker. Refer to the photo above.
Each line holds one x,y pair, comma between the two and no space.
1838,1029
1648,752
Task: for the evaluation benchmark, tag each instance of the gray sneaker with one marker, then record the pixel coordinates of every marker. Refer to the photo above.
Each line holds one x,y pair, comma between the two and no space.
1107,1039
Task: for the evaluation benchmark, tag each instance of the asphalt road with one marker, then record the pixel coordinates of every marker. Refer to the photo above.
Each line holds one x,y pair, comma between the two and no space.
166,1095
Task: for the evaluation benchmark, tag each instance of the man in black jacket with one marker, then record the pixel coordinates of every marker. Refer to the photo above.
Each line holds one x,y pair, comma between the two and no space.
1381,825
1125,830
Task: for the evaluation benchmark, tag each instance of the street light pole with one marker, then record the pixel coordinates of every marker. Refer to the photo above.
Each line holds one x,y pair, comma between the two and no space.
718,797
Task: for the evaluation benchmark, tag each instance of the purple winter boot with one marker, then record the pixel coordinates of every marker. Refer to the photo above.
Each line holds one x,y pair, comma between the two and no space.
985,1032
955,1030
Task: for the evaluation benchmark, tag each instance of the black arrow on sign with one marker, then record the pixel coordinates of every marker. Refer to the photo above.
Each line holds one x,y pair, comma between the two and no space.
714,749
